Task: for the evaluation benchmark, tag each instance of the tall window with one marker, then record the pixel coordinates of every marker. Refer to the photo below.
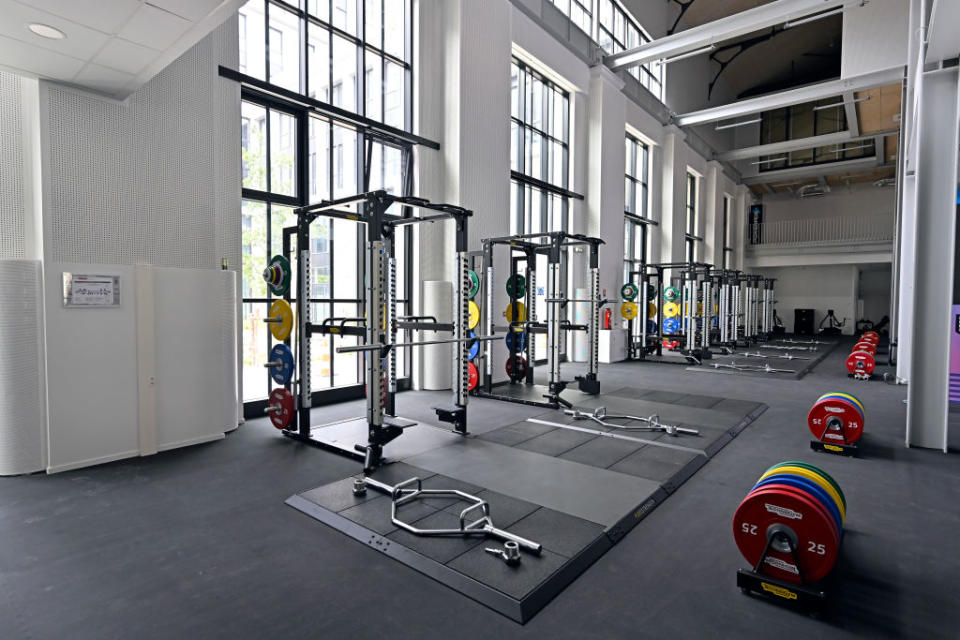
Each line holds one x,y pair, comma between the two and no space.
618,31
292,156
804,121
691,227
579,12
727,244
636,221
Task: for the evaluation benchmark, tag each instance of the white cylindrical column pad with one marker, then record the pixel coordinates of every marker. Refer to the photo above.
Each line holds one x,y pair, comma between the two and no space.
435,359
581,315
229,327
22,425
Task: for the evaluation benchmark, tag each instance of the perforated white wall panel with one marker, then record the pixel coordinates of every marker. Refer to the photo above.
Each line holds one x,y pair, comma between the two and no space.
155,179
11,169
21,408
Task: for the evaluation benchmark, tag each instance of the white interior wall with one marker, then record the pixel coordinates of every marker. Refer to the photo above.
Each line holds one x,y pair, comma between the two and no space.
874,37
845,202
816,287
874,292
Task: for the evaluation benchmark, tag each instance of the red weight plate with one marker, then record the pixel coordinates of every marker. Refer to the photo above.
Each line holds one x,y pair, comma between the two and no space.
521,368
874,340
872,334
781,506
860,362
284,399
473,376
832,419
869,347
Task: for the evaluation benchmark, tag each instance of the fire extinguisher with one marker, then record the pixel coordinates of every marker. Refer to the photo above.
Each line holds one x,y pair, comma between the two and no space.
607,316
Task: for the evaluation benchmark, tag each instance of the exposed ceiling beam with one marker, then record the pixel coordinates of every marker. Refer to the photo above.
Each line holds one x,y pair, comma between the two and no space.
813,171
773,148
850,107
738,24
799,95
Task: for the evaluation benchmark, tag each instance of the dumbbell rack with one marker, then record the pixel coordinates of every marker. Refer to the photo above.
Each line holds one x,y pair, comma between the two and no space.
380,324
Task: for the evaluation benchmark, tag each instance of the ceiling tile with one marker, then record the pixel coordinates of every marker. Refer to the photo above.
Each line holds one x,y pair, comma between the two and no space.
103,79
104,15
190,9
80,42
154,28
125,56
32,60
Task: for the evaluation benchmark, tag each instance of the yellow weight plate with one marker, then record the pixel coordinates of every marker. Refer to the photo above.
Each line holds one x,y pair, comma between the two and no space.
844,395
516,311
652,310
671,310
629,310
474,311
814,477
280,310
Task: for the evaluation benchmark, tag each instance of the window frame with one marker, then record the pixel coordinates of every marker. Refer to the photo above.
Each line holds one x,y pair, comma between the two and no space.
691,238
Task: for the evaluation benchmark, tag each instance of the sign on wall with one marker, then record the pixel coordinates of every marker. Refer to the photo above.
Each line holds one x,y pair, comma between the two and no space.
90,291
955,356
756,223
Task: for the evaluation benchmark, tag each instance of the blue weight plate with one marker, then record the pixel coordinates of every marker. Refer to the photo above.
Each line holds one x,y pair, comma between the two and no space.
671,325
473,348
847,400
284,373
516,341
811,488
651,327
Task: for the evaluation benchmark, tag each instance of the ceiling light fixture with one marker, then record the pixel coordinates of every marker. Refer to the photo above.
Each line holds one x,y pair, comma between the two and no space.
841,104
689,54
768,160
825,14
862,146
738,124
46,31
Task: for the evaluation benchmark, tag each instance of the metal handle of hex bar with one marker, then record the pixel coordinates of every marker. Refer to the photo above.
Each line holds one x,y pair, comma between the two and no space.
419,343
273,364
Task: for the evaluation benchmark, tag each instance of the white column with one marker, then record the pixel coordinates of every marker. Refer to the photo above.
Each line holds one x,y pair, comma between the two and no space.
674,187
712,219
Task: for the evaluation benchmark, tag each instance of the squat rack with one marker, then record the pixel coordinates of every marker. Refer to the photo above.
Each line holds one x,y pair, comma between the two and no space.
380,325
552,244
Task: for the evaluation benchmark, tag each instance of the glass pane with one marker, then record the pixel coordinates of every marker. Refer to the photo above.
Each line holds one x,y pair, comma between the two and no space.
255,351
344,89
344,162
321,348
346,366
346,268
253,54
253,133
630,195
537,91
514,91
560,107
535,168
283,133
606,13
558,160
642,201
319,8
318,63
284,53
394,22
254,238
373,86
373,21
392,170
281,217
516,207
515,147
319,146
320,258
345,15
394,96
627,244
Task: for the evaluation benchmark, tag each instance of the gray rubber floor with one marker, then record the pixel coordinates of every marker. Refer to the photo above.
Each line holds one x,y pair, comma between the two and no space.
198,543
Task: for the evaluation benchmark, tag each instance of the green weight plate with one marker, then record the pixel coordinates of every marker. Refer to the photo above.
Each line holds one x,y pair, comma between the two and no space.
474,284
277,275
817,470
651,291
516,286
671,293
629,292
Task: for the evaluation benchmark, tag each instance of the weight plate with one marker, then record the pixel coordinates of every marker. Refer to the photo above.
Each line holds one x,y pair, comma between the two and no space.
473,376
629,292
815,477
651,291
849,396
474,315
474,284
629,310
835,419
473,348
516,341
811,488
821,509
870,337
817,470
516,286
651,310
860,362
651,327
281,310
521,371
671,310
516,311
671,293
785,508
283,400
842,398
871,333
277,275
282,374
671,325
869,347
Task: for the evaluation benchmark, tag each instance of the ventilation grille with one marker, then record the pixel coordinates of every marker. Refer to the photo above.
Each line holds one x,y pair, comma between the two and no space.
155,179
11,169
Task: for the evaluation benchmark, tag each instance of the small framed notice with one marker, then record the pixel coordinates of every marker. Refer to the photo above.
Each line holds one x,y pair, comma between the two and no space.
90,291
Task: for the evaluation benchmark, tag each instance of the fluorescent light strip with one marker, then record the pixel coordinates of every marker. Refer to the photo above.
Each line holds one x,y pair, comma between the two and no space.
768,160
689,54
863,146
738,124
841,104
825,14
